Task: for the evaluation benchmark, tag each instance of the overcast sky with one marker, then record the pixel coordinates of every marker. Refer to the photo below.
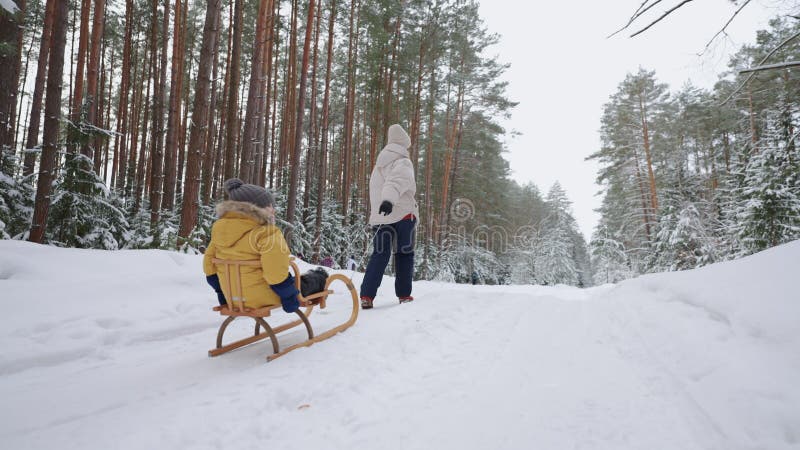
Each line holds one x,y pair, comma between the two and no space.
563,69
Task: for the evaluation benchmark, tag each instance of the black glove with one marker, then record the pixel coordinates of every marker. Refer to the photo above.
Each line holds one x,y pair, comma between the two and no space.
213,281
386,208
287,291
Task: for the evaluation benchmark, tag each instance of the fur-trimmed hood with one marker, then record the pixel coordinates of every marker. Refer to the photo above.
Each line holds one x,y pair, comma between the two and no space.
259,215
237,220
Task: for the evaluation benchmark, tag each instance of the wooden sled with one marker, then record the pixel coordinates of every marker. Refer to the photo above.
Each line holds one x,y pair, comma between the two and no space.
235,308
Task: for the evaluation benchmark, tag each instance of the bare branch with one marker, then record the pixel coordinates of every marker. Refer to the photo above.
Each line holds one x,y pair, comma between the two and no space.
750,77
668,12
783,65
724,27
639,12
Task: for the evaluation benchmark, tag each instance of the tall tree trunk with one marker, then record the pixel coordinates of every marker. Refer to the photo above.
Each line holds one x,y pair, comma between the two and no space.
287,124
123,108
15,118
259,171
91,149
131,138
38,91
219,162
648,155
72,58
449,153
298,131
185,88
51,124
312,119
387,104
642,194
323,156
252,118
232,134
174,113
142,166
209,147
415,123
273,153
428,220
103,111
349,114
83,44
197,135
157,142
10,63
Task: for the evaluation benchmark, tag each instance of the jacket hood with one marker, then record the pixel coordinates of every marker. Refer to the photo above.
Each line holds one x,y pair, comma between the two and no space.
237,219
396,147
397,135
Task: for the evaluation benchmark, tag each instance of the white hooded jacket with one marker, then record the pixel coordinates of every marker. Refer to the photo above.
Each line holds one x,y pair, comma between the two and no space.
392,180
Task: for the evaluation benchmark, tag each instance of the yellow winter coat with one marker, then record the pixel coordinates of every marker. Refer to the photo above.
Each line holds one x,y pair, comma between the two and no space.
245,232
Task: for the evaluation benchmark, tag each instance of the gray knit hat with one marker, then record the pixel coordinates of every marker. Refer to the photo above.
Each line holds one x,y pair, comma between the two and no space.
241,192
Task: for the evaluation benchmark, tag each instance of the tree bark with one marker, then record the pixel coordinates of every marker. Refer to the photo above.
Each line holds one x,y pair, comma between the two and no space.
312,120
252,117
298,131
287,123
259,171
157,142
174,113
51,123
83,43
142,166
650,175
428,219
123,107
10,64
209,147
349,114
274,120
38,91
232,134
197,136
323,156
91,149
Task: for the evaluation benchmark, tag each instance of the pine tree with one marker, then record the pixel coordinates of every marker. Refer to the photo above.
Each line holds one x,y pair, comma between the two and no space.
84,212
767,206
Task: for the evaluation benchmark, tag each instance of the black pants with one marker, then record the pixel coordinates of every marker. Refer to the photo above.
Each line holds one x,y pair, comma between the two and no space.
400,237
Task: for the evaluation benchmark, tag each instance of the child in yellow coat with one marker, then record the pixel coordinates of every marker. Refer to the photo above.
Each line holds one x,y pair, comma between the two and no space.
245,230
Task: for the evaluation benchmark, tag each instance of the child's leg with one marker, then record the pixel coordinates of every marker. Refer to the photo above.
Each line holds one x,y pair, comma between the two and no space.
382,250
404,257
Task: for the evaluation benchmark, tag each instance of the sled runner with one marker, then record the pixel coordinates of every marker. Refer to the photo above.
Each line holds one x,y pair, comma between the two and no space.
235,308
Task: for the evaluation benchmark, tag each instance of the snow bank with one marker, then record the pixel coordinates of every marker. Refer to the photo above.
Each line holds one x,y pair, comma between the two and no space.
108,350
756,295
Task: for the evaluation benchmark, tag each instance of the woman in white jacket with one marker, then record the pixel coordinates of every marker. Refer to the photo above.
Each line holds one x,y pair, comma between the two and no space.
393,216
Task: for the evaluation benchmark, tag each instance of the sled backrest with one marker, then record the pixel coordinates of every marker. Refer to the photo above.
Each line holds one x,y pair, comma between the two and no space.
232,269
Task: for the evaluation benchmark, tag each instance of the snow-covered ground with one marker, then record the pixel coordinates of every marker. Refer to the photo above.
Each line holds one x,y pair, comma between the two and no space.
107,350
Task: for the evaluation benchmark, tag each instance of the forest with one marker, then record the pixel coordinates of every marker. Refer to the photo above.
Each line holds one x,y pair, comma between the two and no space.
690,176
119,121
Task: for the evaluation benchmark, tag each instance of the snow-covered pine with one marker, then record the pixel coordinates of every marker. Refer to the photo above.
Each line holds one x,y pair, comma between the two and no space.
766,205
84,213
16,200
458,257
609,259
556,262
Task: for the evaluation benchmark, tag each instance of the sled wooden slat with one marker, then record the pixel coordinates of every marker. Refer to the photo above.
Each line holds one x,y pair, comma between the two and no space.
235,308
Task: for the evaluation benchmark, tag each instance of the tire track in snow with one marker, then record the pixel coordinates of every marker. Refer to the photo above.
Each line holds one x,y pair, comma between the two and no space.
658,374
